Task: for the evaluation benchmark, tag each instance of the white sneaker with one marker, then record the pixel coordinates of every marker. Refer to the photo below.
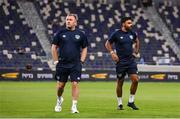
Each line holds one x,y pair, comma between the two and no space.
58,106
74,109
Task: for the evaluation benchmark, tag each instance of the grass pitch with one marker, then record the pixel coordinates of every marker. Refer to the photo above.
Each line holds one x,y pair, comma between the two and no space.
97,100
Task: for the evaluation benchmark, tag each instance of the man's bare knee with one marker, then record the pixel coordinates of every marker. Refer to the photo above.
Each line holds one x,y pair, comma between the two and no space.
60,86
134,78
74,84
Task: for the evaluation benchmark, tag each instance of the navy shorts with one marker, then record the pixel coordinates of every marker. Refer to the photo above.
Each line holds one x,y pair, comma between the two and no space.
63,72
123,68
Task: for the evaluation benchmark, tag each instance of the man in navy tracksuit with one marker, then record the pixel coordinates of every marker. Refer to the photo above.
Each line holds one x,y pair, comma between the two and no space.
124,39
69,50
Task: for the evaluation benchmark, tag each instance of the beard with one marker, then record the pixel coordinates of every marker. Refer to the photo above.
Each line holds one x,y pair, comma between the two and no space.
128,28
68,27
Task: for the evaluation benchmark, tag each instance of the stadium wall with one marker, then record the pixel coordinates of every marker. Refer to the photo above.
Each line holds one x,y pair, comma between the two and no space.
146,74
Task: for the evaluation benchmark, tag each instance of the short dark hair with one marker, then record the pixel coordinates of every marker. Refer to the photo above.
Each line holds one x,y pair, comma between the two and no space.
124,19
74,15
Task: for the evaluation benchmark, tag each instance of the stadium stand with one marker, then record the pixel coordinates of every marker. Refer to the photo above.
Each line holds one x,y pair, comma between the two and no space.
171,15
98,20
19,45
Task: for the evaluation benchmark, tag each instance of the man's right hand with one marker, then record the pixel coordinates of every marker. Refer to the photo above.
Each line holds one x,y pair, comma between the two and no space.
115,57
56,62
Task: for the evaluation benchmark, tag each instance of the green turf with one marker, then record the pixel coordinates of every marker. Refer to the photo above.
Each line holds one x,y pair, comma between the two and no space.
97,100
